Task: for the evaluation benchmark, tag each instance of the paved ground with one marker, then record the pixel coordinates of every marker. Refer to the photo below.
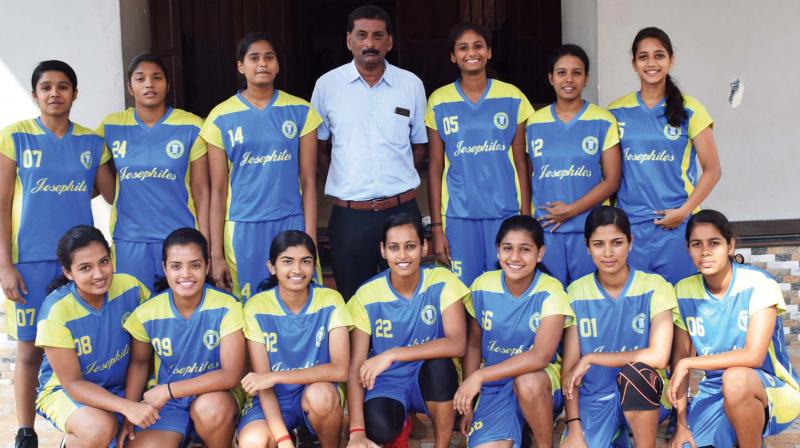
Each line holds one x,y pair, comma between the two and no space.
49,437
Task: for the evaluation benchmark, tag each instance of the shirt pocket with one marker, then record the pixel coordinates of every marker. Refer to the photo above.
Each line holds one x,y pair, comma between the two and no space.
396,129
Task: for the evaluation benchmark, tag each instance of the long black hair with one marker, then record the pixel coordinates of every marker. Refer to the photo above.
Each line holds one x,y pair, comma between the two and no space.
673,98
603,216
76,238
182,237
281,242
527,224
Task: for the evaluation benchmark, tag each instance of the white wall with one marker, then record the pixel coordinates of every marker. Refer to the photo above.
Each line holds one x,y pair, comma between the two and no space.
86,35
716,41
579,27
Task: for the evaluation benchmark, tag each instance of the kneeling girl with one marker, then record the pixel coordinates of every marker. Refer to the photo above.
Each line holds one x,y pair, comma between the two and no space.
518,314
615,353
297,338
80,328
408,324
195,331
731,321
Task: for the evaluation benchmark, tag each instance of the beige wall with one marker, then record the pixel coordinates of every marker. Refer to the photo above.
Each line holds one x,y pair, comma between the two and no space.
716,41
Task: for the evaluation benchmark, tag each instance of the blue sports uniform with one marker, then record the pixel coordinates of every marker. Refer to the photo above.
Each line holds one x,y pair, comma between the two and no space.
264,197
718,325
153,195
293,342
52,193
102,346
659,172
480,186
567,164
184,348
394,321
508,327
613,325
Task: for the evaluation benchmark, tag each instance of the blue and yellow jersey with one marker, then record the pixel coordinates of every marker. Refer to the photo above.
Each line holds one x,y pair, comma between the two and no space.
53,188
153,191
102,346
295,341
263,154
509,324
479,179
720,325
391,320
607,325
185,348
659,167
567,157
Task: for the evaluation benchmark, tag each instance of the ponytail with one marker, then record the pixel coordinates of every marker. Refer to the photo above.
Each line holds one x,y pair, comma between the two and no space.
56,283
673,98
673,103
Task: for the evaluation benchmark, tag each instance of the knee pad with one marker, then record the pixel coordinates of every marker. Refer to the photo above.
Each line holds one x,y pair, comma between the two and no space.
438,380
639,387
384,418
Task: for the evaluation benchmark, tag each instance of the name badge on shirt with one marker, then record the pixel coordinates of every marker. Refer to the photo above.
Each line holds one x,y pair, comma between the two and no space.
402,111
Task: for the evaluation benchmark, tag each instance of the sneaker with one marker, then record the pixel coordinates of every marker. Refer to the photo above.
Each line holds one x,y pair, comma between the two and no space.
401,441
26,438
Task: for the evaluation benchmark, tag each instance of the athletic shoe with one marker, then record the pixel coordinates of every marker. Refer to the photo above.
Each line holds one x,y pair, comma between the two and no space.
26,438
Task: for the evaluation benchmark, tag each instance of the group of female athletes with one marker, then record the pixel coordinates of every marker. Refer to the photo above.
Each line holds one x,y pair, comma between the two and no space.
141,350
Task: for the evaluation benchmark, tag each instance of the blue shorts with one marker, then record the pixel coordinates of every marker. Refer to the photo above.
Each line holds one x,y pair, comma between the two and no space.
21,319
141,260
491,421
175,417
406,392
291,411
709,424
661,251
247,251
604,423
472,248
566,256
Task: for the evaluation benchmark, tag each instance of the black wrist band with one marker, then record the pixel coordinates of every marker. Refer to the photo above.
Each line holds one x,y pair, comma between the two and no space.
566,422
436,224
169,388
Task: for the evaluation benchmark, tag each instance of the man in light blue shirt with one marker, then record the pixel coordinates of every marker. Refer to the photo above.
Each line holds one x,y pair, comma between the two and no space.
373,133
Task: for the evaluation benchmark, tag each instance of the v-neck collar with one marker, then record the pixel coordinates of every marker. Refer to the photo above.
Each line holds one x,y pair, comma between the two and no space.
50,133
466,99
253,107
177,313
623,293
525,294
573,120
649,110
399,296
74,290
727,291
158,123
286,308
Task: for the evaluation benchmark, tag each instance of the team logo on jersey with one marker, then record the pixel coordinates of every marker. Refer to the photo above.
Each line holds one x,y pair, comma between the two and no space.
590,145
86,159
743,320
672,132
211,339
125,317
320,336
638,323
428,314
289,129
501,120
534,322
175,149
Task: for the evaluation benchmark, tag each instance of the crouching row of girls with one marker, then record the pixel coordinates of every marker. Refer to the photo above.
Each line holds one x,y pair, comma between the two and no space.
528,349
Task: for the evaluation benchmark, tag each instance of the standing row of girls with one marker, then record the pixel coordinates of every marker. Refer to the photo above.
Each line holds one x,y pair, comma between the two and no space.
479,173
620,328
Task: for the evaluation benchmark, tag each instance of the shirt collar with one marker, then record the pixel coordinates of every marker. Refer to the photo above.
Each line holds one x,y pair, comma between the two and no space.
388,73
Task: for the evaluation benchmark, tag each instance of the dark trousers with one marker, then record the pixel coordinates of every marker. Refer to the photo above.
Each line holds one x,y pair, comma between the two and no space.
355,244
